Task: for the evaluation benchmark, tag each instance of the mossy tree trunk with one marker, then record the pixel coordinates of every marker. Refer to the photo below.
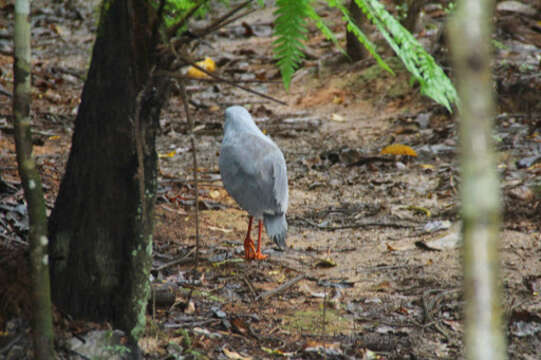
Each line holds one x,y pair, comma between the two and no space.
480,192
42,325
101,225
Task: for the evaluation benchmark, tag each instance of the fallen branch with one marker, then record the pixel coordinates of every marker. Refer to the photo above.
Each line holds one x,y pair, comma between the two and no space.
183,260
281,288
250,286
229,82
360,224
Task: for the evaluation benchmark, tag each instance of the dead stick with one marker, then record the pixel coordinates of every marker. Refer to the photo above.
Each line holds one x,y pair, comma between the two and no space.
219,22
247,12
173,29
360,224
175,262
281,288
230,82
250,286
179,76
195,178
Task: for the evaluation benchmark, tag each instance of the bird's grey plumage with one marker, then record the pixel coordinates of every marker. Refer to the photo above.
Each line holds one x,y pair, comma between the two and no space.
254,172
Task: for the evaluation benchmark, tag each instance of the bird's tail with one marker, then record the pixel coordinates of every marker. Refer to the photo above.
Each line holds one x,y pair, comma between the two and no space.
276,227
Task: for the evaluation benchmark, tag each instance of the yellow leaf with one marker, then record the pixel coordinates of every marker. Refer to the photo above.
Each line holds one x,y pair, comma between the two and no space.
207,64
337,100
398,149
54,137
427,166
214,194
325,263
168,155
390,248
420,209
276,352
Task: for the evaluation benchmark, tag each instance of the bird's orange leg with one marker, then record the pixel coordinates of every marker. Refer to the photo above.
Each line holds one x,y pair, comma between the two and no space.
258,255
249,249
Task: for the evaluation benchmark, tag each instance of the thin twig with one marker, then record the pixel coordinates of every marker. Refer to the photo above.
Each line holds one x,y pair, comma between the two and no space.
360,224
13,341
230,82
179,76
250,286
372,269
175,261
173,29
195,177
324,314
222,21
281,288
233,19
139,140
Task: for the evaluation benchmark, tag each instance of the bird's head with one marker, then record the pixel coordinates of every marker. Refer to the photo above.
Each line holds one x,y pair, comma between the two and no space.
238,119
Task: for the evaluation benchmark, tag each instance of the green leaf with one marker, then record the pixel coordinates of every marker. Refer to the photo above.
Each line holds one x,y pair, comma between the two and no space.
324,28
290,29
432,80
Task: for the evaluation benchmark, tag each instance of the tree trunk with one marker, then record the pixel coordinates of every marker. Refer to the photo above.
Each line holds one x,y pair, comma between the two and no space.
42,323
101,225
480,191
354,48
414,10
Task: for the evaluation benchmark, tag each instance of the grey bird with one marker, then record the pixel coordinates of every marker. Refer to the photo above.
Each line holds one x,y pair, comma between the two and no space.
254,173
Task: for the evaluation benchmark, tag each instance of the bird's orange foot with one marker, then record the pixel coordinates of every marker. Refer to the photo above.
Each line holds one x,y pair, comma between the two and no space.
259,256
249,249
250,252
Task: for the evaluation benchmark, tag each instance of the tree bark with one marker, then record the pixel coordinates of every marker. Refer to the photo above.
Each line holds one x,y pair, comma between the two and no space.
101,225
414,10
354,48
42,324
480,192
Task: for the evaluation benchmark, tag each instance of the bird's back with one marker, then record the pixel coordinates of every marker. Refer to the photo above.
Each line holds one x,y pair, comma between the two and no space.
254,173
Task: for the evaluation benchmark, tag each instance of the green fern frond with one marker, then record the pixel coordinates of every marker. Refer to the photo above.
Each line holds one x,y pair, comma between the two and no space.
320,24
290,28
433,81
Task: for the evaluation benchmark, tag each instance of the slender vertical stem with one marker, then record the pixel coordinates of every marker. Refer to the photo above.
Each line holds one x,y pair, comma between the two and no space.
42,325
195,177
470,31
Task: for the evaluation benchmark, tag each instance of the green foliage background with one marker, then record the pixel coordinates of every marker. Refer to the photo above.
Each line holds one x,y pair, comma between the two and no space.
293,16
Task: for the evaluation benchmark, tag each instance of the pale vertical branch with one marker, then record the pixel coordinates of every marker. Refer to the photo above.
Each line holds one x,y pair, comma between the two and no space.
480,194
42,326
195,177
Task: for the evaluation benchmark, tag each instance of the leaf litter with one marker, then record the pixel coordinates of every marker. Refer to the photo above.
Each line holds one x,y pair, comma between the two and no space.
354,281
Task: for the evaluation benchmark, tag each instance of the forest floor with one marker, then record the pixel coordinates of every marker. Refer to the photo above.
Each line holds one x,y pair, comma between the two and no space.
372,269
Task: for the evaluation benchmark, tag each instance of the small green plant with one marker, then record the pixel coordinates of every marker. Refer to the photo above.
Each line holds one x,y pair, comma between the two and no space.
187,345
402,10
116,349
499,45
450,8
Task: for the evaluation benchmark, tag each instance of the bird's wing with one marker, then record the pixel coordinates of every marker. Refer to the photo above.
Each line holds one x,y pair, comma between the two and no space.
280,179
253,172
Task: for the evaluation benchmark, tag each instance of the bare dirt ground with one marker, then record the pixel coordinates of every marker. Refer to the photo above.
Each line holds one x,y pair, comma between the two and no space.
372,268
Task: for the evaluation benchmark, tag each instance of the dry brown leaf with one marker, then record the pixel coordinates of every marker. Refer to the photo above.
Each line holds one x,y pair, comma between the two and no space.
235,355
